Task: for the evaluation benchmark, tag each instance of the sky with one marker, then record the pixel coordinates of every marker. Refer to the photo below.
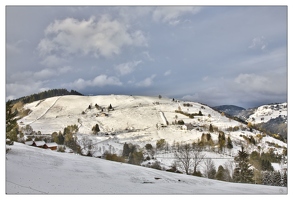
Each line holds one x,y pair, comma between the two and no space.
216,55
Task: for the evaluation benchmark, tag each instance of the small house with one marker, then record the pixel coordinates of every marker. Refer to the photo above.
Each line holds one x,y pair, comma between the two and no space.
52,146
39,144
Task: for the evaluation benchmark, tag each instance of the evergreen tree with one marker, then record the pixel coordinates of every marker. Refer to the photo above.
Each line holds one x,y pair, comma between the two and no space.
126,150
96,129
11,124
229,143
220,175
284,180
60,139
211,129
221,140
242,172
277,179
266,165
110,107
135,157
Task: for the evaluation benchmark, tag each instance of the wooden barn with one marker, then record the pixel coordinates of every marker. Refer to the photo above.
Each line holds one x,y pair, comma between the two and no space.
39,144
52,146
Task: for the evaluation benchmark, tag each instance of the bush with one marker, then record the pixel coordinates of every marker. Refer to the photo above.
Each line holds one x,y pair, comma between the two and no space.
180,122
114,157
156,165
148,147
61,149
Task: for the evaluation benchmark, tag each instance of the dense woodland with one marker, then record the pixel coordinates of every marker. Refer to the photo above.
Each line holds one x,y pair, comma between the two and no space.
46,94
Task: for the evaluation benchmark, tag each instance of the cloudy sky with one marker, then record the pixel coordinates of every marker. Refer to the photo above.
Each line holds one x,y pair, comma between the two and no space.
210,54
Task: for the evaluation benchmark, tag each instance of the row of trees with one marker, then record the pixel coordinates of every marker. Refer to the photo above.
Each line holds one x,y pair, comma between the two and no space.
46,94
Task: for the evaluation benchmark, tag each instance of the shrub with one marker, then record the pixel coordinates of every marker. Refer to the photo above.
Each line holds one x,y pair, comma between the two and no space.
180,122
148,147
156,165
61,148
114,157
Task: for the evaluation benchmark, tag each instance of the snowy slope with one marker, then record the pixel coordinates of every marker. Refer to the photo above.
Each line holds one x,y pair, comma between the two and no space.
138,120
31,170
266,112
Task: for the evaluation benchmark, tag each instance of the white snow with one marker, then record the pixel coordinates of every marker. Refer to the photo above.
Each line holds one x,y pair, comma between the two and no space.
266,112
31,170
135,120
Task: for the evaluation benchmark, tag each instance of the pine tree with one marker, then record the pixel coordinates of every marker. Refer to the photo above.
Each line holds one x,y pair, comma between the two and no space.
221,140
242,172
211,129
126,150
220,175
11,124
285,179
229,143
277,179
96,129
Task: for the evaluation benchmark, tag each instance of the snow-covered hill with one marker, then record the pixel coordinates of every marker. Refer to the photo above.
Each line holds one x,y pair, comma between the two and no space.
142,120
265,113
31,170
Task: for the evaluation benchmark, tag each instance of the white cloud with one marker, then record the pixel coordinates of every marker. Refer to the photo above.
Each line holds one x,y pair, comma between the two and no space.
146,82
146,54
104,80
269,83
104,37
167,73
44,74
52,60
259,43
127,68
170,14
20,89
98,81
65,69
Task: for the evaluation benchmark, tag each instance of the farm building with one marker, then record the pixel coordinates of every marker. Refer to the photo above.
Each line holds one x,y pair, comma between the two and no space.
52,146
38,144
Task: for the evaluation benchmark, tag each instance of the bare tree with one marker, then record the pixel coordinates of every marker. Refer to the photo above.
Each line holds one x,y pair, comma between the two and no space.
184,157
210,169
198,157
229,166
87,146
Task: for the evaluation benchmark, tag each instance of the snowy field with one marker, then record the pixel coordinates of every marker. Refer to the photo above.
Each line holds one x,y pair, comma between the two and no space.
30,170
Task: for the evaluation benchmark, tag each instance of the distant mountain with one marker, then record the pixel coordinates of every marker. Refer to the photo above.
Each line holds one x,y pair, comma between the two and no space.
229,109
272,118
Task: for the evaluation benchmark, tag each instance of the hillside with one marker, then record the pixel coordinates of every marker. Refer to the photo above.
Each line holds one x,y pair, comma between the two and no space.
30,170
142,120
271,118
229,109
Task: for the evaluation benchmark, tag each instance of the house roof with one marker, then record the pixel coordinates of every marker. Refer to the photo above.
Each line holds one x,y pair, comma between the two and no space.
52,144
39,143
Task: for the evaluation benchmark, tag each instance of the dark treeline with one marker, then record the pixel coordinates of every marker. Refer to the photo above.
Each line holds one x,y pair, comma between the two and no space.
45,94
